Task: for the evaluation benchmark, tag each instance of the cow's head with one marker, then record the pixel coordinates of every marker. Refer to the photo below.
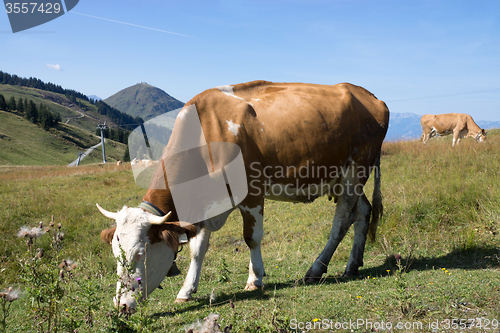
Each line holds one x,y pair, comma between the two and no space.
481,137
145,246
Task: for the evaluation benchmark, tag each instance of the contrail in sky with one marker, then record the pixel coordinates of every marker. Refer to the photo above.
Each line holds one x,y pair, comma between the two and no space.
133,25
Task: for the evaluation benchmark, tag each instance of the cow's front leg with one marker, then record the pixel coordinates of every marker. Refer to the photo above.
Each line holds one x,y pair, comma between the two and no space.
253,230
425,136
344,217
456,138
198,247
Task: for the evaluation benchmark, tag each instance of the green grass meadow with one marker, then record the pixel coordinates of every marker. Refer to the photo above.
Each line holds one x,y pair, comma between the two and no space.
441,217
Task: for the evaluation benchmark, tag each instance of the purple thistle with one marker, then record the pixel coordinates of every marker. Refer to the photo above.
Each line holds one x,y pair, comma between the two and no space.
138,280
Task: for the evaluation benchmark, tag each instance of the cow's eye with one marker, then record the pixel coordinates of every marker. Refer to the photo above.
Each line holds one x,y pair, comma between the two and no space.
139,254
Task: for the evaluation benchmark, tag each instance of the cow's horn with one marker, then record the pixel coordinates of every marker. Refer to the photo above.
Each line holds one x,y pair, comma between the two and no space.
106,213
153,219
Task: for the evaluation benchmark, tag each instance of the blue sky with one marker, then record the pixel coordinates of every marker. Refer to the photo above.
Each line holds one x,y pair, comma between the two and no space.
419,56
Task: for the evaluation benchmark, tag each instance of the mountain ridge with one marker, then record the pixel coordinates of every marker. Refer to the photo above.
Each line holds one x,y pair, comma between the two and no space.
143,100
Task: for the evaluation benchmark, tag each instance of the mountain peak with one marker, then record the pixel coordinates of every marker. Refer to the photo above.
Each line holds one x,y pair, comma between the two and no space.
143,100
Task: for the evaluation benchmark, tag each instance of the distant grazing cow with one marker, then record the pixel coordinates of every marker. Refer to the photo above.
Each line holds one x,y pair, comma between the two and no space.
142,163
460,124
298,142
119,163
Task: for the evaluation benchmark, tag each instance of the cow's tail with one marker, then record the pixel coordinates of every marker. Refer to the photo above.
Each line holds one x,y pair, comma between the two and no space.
377,207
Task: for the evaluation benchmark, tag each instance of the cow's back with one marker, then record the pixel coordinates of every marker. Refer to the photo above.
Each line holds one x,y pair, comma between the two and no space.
445,123
289,123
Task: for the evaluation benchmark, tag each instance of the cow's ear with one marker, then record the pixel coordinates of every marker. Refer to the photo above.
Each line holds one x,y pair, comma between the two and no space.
107,235
170,233
190,230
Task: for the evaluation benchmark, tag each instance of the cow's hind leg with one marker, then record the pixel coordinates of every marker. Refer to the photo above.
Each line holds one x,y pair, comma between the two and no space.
361,224
344,217
198,247
253,230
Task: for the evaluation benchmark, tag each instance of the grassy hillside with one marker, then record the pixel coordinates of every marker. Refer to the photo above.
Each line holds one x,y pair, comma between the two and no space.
69,112
82,114
143,100
442,216
23,143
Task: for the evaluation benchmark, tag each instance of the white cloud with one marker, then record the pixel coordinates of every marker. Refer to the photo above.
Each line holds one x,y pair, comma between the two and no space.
57,67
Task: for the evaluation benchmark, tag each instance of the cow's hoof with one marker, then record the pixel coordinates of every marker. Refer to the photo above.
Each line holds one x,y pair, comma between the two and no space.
350,273
311,279
182,300
252,287
312,276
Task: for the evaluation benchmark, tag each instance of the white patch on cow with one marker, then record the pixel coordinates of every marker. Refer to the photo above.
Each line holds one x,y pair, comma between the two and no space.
198,247
256,99
256,266
233,127
262,130
182,114
255,212
228,90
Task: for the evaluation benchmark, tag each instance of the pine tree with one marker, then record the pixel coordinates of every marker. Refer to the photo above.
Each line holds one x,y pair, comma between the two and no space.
45,117
57,118
3,103
20,105
11,105
32,112
126,155
120,135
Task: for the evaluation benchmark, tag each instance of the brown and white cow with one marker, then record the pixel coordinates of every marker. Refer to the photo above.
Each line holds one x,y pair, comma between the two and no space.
333,134
461,125
141,163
